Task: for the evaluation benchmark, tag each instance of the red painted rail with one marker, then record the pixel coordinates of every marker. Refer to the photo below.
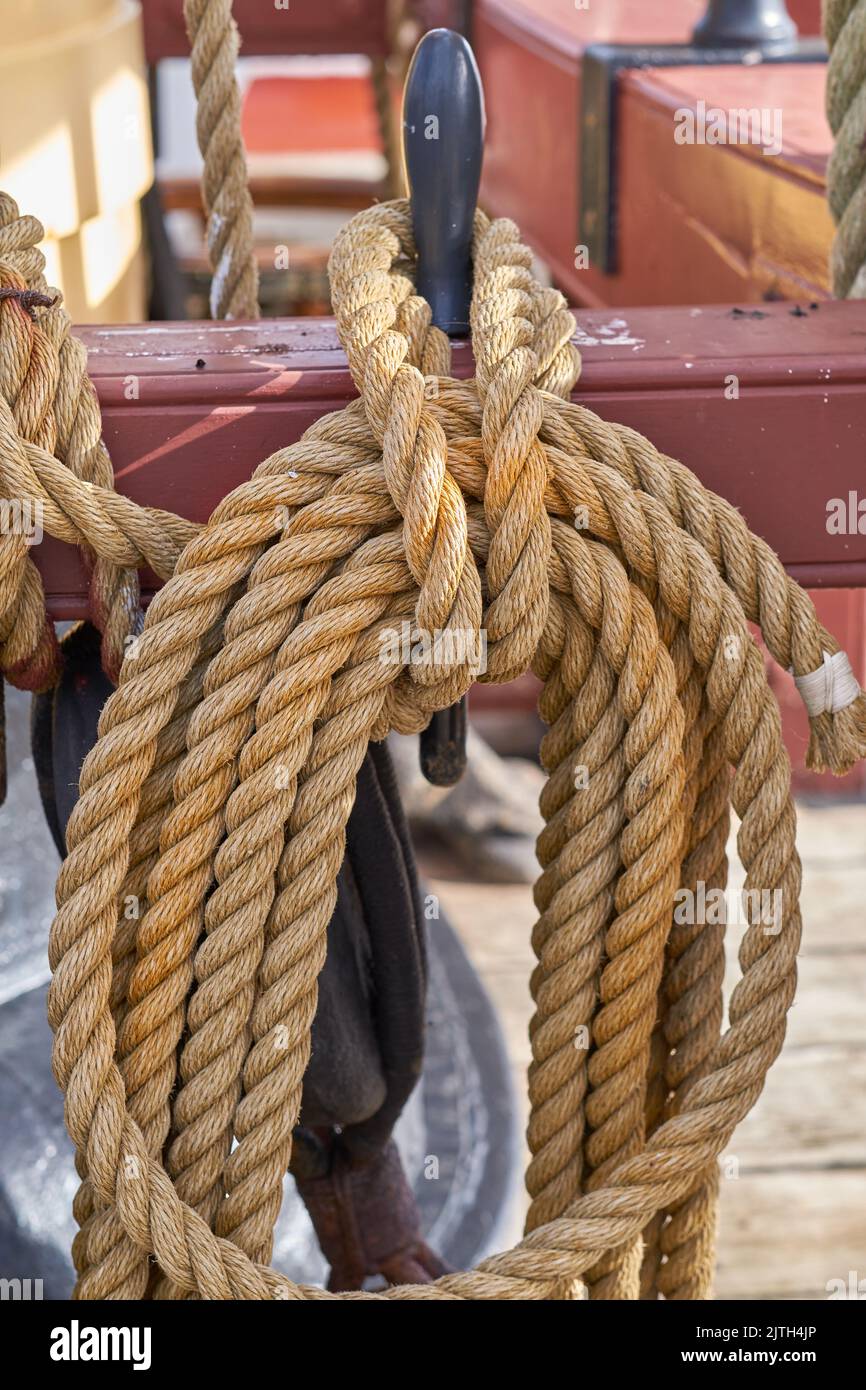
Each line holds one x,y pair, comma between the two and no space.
768,410
328,26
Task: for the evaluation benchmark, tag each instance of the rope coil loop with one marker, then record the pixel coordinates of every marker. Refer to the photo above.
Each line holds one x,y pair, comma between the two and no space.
224,774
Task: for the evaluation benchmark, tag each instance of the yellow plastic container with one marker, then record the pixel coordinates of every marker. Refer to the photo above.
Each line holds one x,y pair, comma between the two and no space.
76,149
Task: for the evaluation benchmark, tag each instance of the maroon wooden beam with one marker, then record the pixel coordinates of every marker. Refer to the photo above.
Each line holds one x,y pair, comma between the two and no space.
329,26
767,406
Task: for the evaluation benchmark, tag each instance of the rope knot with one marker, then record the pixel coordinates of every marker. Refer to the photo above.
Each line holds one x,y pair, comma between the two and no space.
390,343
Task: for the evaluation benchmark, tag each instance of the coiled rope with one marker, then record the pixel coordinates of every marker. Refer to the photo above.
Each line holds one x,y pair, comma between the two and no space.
220,786
217,795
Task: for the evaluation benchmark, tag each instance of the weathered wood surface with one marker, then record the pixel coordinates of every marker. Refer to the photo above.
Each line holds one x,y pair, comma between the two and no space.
793,1209
190,409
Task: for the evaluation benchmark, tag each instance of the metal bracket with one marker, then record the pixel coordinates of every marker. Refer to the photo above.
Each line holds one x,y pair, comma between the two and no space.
443,143
602,64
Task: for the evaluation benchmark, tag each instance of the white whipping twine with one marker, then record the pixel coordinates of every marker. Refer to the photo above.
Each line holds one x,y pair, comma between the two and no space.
831,688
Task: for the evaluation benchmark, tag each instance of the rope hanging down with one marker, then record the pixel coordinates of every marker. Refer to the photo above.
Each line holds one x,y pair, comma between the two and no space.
214,44
220,786
844,23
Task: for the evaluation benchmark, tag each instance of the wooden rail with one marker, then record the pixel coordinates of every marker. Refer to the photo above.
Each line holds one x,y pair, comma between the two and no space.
768,406
329,26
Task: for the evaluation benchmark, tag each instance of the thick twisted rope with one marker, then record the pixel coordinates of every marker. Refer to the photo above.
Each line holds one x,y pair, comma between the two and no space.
844,24
101,1243
214,44
225,771
47,400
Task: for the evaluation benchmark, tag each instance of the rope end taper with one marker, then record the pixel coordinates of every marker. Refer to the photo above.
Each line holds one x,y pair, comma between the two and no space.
838,741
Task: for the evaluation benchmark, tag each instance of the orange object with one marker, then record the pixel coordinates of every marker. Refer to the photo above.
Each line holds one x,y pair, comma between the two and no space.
308,115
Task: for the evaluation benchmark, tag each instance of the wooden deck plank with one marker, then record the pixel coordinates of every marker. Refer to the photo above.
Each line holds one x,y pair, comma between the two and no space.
785,1235
811,1114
